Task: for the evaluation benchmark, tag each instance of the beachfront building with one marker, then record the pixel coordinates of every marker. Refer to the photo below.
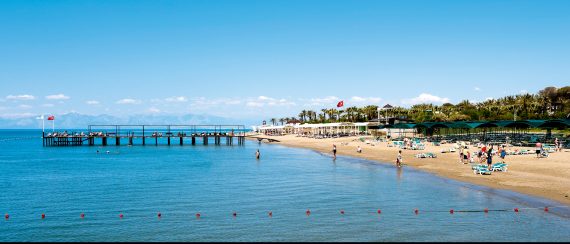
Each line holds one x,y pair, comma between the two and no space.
314,130
522,132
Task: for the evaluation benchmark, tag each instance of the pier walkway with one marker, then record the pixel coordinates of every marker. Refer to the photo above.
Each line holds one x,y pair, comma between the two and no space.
117,135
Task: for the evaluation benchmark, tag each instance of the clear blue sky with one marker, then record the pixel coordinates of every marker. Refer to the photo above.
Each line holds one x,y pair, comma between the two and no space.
273,58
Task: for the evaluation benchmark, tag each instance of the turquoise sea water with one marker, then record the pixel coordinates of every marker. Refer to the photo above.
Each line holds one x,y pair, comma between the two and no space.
180,181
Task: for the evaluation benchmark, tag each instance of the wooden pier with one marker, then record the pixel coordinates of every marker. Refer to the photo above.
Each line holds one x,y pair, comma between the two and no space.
117,135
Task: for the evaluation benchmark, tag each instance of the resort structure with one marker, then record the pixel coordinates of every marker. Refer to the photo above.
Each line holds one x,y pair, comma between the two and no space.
521,132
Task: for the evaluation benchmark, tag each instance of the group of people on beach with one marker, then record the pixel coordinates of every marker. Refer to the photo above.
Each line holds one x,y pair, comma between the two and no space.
484,155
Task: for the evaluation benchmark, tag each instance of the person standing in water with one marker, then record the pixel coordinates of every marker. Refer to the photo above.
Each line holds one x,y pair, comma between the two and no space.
334,151
257,154
399,159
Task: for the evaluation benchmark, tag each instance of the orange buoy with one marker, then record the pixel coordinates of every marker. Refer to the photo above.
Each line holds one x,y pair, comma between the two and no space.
159,214
486,210
43,216
197,215
545,209
416,211
516,210
451,211
379,211
270,214
308,212
341,211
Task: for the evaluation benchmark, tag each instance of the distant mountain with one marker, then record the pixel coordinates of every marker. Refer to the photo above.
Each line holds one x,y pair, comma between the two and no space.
80,121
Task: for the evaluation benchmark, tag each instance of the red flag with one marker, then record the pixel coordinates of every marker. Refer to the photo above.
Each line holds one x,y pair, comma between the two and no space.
51,117
340,104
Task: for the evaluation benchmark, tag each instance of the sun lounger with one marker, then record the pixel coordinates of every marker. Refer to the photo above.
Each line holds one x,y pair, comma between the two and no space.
481,169
420,146
499,167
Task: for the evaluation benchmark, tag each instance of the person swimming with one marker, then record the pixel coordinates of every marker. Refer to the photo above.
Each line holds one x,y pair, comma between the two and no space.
257,154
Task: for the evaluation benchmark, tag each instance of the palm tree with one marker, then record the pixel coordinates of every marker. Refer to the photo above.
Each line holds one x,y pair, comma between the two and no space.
312,115
551,102
370,112
303,114
282,120
273,121
325,112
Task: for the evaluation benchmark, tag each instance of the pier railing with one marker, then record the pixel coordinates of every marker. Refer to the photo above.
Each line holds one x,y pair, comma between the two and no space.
144,134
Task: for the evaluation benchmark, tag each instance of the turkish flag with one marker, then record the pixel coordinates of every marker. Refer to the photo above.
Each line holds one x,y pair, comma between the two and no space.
51,117
340,104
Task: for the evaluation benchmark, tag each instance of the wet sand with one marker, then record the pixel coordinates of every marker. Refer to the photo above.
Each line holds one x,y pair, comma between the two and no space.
544,177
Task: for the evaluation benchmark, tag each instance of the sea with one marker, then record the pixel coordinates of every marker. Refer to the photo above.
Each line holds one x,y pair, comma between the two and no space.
289,194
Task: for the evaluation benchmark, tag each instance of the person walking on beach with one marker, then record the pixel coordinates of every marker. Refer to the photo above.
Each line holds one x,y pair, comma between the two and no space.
503,154
334,151
359,150
538,149
461,154
466,155
257,154
490,157
399,159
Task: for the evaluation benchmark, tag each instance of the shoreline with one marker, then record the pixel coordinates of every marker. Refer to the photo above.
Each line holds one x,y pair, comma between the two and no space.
545,178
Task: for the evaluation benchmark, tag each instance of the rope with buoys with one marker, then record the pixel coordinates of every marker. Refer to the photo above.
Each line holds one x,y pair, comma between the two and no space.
416,211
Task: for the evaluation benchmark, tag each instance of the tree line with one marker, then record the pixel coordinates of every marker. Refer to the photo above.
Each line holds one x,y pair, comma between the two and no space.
548,103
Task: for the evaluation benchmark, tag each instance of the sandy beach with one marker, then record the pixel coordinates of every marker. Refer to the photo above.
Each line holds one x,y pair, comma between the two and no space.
544,177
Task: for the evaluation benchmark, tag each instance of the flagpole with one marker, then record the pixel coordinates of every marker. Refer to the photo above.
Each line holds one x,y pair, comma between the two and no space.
43,124
53,125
